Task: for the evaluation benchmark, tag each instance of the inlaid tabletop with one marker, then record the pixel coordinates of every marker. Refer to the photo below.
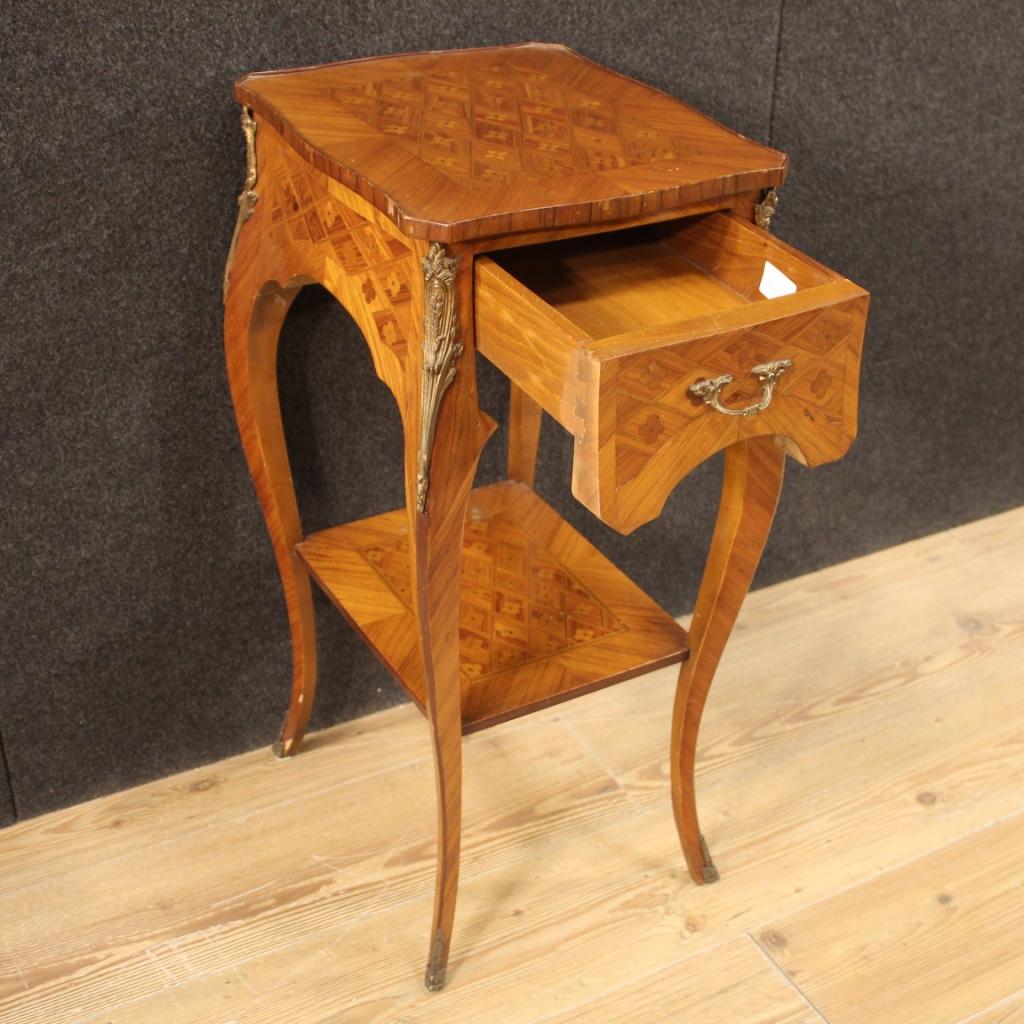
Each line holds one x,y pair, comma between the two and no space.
462,144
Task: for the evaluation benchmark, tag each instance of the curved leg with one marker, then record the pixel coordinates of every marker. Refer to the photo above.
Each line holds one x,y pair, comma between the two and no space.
253,317
524,416
750,492
439,556
443,443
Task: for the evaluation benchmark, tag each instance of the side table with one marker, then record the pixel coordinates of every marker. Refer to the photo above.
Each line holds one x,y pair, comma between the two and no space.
607,248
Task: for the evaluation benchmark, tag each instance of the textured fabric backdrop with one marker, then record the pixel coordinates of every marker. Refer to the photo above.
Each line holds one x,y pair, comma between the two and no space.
143,630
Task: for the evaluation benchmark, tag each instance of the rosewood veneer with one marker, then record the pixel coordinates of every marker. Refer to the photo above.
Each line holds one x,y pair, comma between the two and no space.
607,248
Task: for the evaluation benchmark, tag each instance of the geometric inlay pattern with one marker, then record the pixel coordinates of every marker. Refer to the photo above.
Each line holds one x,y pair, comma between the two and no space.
518,603
470,143
504,124
653,402
303,211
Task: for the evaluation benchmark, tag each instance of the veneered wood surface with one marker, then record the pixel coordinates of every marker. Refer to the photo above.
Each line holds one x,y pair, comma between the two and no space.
126,910
306,227
524,422
525,613
614,284
608,334
751,485
544,616
462,144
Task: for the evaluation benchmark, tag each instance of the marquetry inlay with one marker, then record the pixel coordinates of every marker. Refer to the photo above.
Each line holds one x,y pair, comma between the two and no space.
304,212
518,602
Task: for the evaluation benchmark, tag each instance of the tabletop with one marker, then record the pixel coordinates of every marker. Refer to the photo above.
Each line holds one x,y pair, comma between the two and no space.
463,144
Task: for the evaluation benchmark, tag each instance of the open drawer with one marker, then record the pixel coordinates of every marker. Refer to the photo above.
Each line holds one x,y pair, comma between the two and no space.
657,346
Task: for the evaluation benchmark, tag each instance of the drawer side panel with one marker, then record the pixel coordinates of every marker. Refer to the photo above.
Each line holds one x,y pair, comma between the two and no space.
529,341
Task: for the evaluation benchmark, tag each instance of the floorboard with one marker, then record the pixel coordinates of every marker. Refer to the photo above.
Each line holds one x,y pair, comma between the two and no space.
861,783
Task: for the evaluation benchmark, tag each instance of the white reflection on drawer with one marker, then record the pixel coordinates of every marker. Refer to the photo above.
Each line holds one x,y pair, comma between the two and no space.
774,282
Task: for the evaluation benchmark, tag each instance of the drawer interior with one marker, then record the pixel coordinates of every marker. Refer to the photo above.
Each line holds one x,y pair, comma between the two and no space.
615,283
609,333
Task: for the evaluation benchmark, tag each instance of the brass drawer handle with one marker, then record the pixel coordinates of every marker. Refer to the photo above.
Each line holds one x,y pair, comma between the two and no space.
767,373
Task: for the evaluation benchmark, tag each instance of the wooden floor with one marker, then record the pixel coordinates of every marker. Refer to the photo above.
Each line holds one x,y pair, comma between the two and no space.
862,784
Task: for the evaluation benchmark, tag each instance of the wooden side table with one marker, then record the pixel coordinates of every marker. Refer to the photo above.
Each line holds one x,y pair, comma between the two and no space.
607,248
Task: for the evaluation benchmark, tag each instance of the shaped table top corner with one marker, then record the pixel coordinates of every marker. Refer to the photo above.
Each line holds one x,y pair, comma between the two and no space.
455,145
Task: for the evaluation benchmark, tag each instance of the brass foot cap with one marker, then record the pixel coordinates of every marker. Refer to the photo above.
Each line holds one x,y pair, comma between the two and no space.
710,872
434,979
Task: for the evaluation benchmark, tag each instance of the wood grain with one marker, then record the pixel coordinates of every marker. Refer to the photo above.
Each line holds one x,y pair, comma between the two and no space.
435,560
544,616
524,421
128,910
356,168
44,847
307,228
1008,1011
608,333
751,484
460,144
940,935
726,984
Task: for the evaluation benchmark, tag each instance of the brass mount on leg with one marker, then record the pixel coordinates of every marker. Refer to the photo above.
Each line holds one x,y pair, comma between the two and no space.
440,350
247,198
765,210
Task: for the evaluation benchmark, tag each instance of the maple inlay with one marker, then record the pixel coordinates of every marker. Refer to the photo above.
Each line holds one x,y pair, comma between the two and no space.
595,239
543,615
468,143
518,603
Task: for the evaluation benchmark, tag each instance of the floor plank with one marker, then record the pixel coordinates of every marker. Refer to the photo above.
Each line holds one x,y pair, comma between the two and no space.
329,859
866,717
940,938
725,985
1008,1011
42,847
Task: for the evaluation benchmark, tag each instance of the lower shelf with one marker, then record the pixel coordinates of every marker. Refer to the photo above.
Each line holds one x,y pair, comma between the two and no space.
544,616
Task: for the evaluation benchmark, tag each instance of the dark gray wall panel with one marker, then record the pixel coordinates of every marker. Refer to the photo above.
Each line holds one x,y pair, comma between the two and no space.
141,627
903,126
7,814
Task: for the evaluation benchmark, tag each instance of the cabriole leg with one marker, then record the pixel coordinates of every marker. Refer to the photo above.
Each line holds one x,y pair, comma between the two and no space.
751,484
443,444
252,327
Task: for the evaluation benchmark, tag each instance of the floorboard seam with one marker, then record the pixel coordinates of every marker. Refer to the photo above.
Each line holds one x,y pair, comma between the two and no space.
786,978
588,748
606,993
870,879
1005,1001
228,818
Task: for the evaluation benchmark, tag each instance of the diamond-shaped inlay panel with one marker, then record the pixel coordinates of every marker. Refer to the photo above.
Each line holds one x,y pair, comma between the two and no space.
518,602
653,401
504,124
302,211
465,144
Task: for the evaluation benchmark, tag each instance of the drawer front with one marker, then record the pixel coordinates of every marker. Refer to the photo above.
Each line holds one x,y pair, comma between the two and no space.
658,350
659,413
